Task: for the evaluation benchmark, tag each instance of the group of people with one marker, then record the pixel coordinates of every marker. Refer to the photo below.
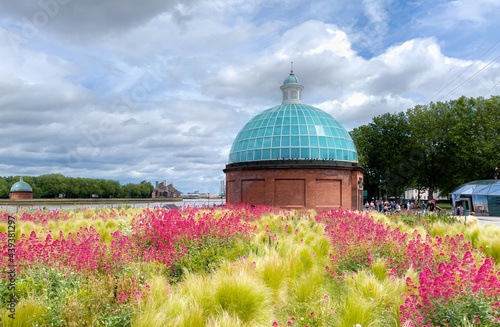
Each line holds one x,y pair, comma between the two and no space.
394,207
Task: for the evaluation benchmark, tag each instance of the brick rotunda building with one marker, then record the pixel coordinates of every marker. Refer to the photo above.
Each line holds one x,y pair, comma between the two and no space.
294,156
21,190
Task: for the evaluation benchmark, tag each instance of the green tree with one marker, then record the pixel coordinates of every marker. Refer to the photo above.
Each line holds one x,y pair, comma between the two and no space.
384,147
4,188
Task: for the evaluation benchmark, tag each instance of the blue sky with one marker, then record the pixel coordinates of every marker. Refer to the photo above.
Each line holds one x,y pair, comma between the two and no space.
157,90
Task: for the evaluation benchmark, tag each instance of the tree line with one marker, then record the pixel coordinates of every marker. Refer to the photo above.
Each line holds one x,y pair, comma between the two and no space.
54,185
434,147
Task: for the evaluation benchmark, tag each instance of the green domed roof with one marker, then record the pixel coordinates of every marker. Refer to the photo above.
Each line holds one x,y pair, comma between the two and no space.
21,186
293,131
291,79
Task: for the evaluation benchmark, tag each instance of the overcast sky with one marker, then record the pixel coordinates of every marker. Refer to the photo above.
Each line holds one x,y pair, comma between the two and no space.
152,90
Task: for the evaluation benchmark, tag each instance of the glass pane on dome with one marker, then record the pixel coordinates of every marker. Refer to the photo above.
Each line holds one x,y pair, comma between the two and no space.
319,130
276,142
251,144
328,131
309,121
345,155
279,121
285,153
334,131
304,153
302,120
285,141
337,143
338,154
314,153
267,142
311,129
286,121
294,130
316,121
303,130
304,141
295,141
258,154
295,154
330,142
269,131
261,132
313,141
322,141
266,154
343,144
277,130
258,142
275,154
331,154
323,153
294,120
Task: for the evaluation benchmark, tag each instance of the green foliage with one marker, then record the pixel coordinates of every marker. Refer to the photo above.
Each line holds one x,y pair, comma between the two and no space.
435,146
53,185
466,309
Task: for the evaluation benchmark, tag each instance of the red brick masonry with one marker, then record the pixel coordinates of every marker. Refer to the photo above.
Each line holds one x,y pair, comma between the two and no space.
20,195
296,184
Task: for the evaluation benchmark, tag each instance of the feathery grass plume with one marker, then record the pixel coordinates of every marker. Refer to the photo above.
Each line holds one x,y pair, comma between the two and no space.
274,272
226,320
379,269
28,313
240,295
472,234
306,288
371,301
191,316
322,249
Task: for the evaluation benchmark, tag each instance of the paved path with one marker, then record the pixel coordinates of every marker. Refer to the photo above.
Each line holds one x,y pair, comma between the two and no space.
488,220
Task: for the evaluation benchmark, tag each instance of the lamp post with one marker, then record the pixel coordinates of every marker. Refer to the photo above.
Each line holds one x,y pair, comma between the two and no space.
208,199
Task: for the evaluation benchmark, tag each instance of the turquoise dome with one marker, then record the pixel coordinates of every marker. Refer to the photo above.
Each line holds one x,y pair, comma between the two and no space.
21,186
292,79
293,131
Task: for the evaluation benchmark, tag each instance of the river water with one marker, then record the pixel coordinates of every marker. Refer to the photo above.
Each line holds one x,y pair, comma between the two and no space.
193,203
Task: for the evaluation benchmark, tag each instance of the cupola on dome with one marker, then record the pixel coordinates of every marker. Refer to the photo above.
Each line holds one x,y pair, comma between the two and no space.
293,130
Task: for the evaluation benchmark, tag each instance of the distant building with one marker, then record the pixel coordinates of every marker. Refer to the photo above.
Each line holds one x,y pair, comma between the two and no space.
294,156
222,188
21,190
414,194
165,191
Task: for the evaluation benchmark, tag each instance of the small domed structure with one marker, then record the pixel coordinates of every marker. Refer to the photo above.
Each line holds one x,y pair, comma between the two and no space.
294,156
21,190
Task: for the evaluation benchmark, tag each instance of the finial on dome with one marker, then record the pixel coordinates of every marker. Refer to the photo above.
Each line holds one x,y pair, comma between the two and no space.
291,71
21,180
